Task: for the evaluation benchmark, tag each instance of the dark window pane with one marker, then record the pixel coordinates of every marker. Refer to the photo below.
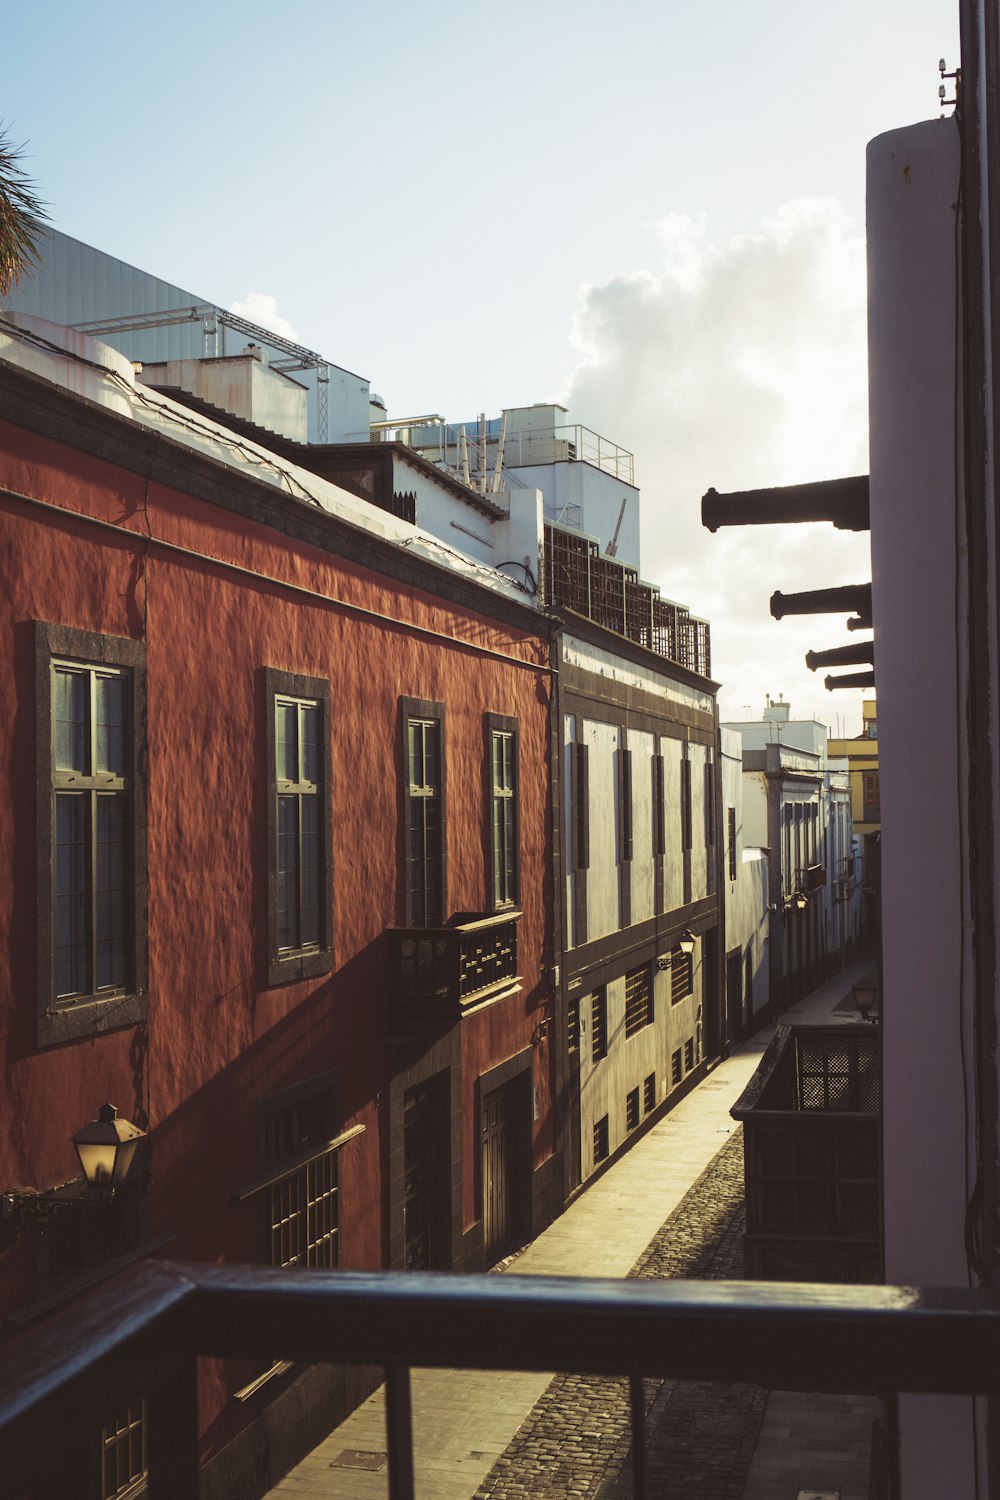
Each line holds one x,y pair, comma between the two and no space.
71,894
110,890
310,871
288,872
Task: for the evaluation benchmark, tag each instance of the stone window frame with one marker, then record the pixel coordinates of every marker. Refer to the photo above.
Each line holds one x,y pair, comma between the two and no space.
423,710
314,959
125,1005
502,725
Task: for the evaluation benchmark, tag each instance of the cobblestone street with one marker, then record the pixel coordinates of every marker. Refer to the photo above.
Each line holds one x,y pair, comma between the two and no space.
700,1436
672,1206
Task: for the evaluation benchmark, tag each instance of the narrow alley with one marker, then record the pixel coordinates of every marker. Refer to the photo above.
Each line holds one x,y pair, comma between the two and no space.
673,1206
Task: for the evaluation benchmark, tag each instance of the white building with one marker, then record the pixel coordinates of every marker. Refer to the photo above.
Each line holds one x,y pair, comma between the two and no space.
745,886
641,913
797,804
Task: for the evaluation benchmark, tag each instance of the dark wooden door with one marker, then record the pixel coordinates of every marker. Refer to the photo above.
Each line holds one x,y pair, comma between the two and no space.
425,1158
503,1165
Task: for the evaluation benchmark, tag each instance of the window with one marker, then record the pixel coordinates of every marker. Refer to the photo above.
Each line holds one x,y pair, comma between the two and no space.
686,832
599,1025
638,1000
709,805
303,1203
300,886
573,1026
423,725
625,804
601,1140
123,1451
90,745
872,796
503,799
675,1067
581,806
659,808
632,1109
731,840
689,1054
681,975
649,1094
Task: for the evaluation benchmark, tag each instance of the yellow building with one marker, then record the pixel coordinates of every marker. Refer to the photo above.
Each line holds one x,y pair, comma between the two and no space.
862,758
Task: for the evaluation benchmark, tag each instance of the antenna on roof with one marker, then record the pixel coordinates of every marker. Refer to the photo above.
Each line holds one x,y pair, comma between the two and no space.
612,548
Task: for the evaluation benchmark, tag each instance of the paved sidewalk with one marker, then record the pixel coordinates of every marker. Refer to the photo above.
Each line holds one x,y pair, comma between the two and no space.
464,1421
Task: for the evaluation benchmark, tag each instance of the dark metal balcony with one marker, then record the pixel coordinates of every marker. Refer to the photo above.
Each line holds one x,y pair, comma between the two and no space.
145,1331
811,1146
440,974
811,879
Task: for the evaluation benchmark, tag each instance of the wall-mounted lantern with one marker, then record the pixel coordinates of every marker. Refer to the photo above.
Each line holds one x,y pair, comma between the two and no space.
865,992
106,1147
687,942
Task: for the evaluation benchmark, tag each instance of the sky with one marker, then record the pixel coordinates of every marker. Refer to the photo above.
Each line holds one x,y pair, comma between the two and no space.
650,211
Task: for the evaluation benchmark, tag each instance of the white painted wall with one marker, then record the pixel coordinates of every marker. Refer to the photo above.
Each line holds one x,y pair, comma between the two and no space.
617,669
641,874
800,734
913,178
673,873
745,898
699,756
603,894
605,1084
240,384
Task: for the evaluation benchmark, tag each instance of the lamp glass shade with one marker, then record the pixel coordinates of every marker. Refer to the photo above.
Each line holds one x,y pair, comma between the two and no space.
687,941
865,992
106,1147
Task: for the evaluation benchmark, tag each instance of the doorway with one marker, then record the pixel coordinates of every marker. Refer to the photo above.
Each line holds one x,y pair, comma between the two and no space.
505,1165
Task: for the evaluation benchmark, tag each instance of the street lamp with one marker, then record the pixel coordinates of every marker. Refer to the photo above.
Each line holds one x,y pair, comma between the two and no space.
801,900
865,992
106,1147
687,942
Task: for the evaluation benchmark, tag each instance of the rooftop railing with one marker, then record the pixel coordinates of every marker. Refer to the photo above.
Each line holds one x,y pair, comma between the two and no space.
442,444
576,575
144,1332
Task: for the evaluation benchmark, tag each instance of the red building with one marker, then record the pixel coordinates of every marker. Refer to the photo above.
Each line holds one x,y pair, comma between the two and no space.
277,822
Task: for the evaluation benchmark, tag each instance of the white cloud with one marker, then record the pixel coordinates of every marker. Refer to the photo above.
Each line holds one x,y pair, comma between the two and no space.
262,308
738,367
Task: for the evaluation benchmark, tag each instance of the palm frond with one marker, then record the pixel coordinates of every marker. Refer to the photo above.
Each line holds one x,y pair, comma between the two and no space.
23,216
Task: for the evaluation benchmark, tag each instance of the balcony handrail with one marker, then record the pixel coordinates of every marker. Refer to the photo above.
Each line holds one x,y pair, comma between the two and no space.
466,922
145,1330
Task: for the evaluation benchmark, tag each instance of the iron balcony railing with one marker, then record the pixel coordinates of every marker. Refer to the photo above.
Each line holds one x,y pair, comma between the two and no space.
440,974
145,1331
811,1134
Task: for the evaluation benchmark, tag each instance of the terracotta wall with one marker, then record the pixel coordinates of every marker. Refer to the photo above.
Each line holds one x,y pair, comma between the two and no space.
218,1040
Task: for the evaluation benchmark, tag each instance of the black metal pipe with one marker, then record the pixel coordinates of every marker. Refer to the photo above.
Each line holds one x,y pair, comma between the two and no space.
852,598
842,501
849,680
857,655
